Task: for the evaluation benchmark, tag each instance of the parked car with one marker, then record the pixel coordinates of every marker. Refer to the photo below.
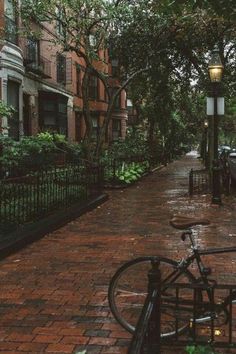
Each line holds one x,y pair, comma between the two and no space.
224,149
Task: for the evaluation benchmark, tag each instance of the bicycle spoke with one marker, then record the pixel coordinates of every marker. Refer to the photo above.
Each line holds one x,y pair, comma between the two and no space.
128,291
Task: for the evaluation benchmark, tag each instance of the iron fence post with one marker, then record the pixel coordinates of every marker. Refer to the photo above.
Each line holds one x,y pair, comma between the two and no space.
154,327
114,169
1,165
191,182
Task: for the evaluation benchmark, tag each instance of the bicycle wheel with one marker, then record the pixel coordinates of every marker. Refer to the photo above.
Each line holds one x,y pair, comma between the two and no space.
128,290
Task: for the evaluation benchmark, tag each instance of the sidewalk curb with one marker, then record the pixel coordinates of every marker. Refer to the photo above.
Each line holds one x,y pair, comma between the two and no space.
35,231
158,168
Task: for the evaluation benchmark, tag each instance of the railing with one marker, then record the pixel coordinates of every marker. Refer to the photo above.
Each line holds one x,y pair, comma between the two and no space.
147,336
33,196
225,174
216,329
34,63
42,67
199,182
10,30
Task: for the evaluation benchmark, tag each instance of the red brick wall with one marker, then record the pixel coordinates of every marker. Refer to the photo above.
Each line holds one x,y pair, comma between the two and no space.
49,52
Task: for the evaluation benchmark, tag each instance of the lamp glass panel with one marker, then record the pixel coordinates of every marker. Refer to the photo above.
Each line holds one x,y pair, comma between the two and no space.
215,73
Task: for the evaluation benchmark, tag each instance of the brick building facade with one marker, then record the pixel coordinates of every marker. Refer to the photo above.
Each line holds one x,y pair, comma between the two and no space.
43,84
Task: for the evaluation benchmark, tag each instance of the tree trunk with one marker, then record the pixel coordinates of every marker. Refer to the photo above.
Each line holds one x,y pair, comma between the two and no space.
104,128
86,114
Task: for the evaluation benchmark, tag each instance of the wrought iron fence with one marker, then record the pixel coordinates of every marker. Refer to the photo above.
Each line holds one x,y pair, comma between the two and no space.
147,335
210,321
199,182
206,321
41,67
37,194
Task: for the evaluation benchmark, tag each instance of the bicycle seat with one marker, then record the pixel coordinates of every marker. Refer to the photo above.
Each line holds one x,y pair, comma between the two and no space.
184,222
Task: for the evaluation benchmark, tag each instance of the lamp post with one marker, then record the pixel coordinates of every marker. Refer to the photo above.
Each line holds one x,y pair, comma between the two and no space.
206,142
215,69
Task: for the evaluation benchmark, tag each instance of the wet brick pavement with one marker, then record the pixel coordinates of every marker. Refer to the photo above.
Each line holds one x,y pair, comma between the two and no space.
54,292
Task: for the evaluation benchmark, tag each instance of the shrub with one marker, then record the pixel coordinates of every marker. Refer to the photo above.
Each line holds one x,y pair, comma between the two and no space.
36,151
5,110
134,144
199,349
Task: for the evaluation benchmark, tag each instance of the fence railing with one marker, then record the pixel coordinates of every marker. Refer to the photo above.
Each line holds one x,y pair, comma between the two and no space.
199,182
207,321
147,335
41,66
37,194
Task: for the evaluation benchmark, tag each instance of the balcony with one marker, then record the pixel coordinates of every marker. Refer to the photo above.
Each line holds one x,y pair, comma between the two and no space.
36,64
10,30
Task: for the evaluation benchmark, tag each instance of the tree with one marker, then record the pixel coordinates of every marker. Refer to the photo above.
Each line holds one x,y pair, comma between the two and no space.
166,44
85,27
178,78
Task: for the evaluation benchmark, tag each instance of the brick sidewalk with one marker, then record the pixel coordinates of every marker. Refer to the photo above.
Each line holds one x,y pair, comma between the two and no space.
54,292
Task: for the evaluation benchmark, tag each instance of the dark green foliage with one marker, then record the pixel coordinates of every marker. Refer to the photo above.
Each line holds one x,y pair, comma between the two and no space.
134,144
5,110
38,151
199,349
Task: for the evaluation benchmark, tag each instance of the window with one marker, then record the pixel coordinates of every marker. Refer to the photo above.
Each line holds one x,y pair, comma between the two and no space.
10,22
13,100
105,95
49,113
114,68
78,81
95,126
59,26
78,126
61,68
32,54
129,104
92,41
26,115
93,87
9,9
118,102
116,129
53,112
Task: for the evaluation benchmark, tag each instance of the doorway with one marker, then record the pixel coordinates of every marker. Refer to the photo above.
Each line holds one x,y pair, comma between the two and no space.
13,100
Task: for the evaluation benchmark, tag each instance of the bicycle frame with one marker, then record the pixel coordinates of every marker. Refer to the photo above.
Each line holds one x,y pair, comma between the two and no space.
184,264
197,253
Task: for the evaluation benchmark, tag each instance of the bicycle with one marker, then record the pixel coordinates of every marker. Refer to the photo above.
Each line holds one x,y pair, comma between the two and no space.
128,287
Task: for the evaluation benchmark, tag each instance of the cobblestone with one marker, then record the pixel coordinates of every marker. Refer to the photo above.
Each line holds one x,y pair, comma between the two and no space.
54,292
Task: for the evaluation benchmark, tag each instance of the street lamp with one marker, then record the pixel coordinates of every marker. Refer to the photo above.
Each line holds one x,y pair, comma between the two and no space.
215,69
205,157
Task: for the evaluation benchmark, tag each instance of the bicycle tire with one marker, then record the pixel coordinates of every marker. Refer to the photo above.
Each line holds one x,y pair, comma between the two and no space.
128,289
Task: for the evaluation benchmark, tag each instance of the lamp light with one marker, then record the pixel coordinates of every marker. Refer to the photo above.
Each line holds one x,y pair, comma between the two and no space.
215,66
